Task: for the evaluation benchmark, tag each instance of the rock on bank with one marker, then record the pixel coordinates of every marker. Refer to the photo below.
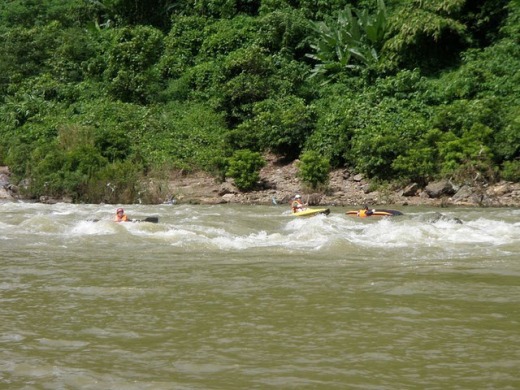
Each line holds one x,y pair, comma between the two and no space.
279,183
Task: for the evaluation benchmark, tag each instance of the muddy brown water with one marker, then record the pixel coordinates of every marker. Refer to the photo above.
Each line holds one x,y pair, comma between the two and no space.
249,297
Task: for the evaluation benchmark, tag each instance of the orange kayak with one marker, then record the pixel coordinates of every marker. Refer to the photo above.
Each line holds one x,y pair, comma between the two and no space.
373,213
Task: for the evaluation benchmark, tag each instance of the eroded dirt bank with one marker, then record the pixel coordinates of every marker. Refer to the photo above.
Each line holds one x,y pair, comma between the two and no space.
279,183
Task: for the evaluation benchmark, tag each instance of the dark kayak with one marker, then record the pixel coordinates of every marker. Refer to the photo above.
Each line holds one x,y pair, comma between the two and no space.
147,219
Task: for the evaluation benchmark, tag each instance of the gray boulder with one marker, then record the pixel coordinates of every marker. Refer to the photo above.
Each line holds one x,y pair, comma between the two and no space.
411,190
436,217
440,188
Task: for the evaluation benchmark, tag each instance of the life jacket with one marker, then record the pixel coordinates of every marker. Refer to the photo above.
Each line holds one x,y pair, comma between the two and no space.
124,218
297,205
363,213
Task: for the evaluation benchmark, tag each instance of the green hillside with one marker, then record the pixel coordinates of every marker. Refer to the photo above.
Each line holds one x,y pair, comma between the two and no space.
98,97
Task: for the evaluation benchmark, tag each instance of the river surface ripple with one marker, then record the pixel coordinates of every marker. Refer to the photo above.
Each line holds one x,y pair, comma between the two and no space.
249,297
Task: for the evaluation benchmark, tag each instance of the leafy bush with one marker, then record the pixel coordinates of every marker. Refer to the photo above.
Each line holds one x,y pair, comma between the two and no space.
186,135
467,155
227,35
384,132
285,30
55,171
244,167
27,52
46,174
511,171
201,82
314,169
182,44
118,182
353,41
114,144
131,74
506,143
31,13
427,36
461,115
335,123
247,72
420,162
283,124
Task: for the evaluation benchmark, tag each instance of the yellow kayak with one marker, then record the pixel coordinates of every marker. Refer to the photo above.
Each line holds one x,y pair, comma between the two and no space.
311,212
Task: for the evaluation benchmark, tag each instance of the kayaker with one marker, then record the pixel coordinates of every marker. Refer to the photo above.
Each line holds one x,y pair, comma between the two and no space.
297,204
120,215
366,212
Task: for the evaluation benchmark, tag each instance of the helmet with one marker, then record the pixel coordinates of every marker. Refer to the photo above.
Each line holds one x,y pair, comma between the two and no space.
120,210
297,197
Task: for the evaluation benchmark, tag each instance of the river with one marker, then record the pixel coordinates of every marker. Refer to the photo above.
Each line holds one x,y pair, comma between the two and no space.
249,297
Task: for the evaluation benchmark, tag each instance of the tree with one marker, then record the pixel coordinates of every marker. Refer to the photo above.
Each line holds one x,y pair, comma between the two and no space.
280,125
244,167
131,74
349,43
429,35
154,13
314,169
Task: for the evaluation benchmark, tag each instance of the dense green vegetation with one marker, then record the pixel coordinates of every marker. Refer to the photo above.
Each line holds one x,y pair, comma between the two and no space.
100,96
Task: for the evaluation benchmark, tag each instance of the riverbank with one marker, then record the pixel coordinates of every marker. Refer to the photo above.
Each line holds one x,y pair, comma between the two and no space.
279,183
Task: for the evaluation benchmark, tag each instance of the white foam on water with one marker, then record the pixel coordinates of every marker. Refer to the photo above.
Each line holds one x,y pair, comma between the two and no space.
200,237
255,240
228,228
322,231
92,228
